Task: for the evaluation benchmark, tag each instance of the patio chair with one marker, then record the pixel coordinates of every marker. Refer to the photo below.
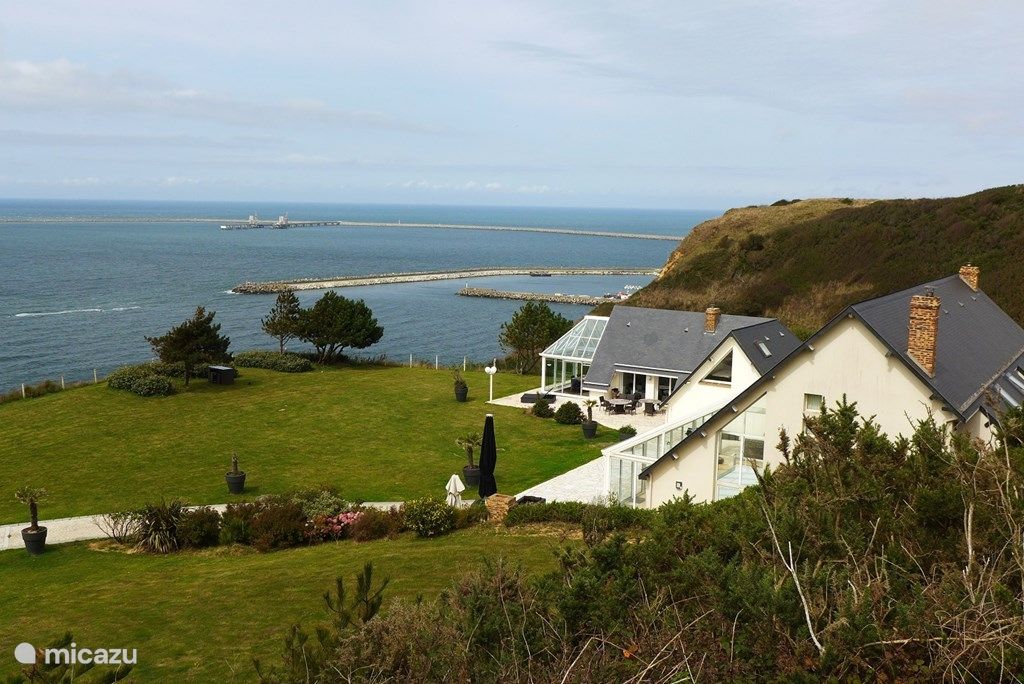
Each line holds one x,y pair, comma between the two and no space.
608,408
631,406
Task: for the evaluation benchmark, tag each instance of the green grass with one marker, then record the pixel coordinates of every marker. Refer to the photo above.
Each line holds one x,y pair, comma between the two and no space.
203,616
377,433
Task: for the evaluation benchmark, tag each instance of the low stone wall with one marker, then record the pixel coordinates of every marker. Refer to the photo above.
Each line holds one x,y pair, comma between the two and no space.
585,300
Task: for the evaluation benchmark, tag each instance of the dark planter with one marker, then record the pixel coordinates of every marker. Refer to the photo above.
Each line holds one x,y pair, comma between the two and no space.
471,474
236,482
461,392
35,540
589,429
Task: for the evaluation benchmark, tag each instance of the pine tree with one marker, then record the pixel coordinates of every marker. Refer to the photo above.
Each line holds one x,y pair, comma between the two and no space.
193,342
283,321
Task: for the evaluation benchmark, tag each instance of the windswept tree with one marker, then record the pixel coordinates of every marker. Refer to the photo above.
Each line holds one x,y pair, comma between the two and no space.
531,330
283,321
335,323
194,342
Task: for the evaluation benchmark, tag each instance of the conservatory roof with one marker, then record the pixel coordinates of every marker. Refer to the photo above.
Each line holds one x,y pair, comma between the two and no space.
580,343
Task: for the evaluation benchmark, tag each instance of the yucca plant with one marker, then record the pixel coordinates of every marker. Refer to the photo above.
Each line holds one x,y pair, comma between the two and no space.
158,526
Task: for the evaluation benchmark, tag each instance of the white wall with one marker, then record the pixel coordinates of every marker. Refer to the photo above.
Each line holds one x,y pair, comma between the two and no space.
846,360
699,394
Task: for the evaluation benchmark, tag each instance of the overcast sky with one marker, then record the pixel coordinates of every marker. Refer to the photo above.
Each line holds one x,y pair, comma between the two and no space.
641,104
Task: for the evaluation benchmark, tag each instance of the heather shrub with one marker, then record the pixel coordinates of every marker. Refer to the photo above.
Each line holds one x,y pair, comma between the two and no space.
199,528
470,515
542,409
331,527
275,361
152,386
236,523
429,517
278,525
377,524
569,413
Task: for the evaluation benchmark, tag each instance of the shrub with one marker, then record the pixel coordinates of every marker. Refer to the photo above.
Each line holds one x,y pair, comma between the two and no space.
278,526
121,526
542,409
124,377
627,431
331,527
199,528
569,413
320,502
153,386
168,370
429,517
606,518
275,361
374,523
470,515
236,523
158,526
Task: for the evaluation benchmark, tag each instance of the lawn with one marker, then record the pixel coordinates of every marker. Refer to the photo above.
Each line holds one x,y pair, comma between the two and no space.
376,433
203,616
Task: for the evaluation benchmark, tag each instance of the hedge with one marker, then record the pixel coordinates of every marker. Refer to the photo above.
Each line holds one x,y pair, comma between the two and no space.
612,516
275,361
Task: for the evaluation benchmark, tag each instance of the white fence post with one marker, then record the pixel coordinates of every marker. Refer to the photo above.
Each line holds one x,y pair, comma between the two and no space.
22,390
437,362
95,376
463,364
62,382
410,360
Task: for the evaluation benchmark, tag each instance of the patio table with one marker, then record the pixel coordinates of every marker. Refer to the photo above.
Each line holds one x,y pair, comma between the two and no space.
620,404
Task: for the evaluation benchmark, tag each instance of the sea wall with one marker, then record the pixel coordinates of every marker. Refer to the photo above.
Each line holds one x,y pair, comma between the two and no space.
276,286
556,298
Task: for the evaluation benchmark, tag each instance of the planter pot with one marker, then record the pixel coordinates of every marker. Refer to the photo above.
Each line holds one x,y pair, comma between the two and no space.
471,474
461,392
589,430
35,540
236,483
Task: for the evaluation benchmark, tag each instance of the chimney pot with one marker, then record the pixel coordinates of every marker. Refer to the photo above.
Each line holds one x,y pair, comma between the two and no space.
711,316
970,274
923,330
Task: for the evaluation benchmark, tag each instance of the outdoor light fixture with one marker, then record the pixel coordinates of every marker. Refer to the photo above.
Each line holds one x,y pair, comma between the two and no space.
491,370
679,485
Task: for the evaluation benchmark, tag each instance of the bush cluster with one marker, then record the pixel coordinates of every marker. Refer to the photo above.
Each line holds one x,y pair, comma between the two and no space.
569,413
627,431
144,379
275,361
542,409
591,516
429,517
199,528
278,525
377,524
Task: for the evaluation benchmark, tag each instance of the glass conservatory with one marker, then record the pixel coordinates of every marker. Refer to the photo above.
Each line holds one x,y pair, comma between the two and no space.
567,360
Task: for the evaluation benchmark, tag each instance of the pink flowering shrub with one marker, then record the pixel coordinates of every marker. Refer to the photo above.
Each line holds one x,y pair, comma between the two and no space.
331,527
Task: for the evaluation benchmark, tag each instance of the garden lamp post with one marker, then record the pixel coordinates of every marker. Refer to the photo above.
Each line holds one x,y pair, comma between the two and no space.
491,370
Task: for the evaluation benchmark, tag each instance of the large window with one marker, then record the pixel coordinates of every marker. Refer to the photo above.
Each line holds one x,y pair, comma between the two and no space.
665,387
723,371
626,487
741,451
634,382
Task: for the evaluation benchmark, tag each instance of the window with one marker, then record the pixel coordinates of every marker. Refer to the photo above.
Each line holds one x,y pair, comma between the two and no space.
764,349
634,382
665,387
814,404
723,371
741,451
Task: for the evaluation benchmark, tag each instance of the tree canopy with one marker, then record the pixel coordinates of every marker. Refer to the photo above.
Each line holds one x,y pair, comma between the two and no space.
532,328
335,323
193,342
284,319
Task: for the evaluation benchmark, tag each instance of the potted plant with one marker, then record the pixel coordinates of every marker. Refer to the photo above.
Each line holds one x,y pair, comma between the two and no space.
471,472
34,536
589,425
461,388
235,478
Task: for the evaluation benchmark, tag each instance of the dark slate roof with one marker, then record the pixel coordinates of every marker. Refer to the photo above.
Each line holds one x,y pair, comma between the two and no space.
977,341
660,341
974,333
773,336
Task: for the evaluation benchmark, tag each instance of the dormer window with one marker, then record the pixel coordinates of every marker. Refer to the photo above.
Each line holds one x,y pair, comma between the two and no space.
723,371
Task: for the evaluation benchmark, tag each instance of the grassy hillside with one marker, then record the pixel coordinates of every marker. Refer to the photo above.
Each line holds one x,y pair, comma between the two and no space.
803,262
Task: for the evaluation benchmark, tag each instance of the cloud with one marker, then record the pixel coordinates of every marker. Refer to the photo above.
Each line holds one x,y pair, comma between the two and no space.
177,181
61,84
172,140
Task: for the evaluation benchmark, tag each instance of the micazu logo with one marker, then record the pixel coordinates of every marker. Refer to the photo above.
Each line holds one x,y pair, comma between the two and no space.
27,654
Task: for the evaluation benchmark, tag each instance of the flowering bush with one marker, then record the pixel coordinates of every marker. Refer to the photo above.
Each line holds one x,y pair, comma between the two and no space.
429,517
329,527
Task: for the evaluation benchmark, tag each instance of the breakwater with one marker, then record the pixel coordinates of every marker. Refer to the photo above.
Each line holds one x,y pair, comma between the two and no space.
555,298
276,286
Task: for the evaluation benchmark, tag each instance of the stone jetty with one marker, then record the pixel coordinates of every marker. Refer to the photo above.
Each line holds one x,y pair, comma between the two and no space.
554,298
276,286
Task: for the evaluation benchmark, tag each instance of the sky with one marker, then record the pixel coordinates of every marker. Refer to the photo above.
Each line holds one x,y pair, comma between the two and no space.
678,104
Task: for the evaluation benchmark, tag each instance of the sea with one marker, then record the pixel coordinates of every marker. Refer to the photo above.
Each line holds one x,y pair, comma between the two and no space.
83,283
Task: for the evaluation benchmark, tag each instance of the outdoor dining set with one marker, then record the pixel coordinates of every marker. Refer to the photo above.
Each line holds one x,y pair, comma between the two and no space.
629,404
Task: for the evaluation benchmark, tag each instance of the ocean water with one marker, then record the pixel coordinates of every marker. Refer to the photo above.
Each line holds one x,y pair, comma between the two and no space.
83,283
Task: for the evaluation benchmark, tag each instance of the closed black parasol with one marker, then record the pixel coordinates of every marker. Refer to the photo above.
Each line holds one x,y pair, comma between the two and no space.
488,459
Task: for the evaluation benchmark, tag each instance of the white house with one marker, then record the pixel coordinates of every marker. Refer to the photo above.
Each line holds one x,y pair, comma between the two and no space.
942,349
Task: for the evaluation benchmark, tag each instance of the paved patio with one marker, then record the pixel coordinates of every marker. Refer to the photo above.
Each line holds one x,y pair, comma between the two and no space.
585,483
641,422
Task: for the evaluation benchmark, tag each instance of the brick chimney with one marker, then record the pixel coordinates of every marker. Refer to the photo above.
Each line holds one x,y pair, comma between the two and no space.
969,274
924,330
711,316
